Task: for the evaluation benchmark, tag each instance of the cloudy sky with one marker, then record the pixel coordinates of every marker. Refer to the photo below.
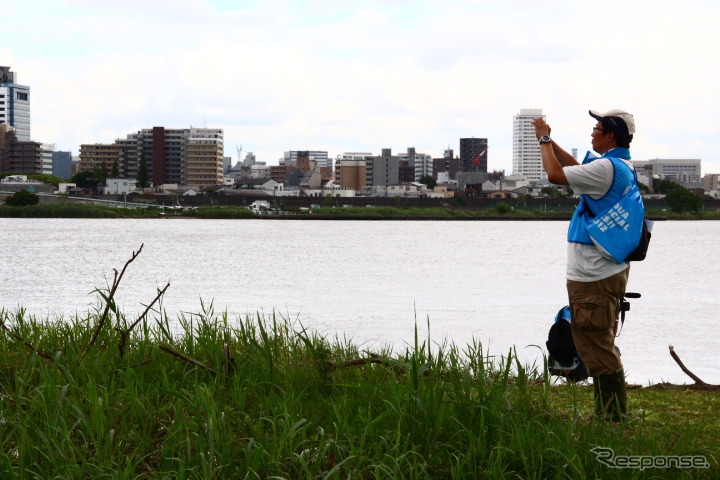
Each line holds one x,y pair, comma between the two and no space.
341,75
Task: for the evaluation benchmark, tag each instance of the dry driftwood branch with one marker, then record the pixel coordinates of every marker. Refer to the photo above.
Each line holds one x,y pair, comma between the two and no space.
124,333
684,368
116,282
182,356
27,344
374,358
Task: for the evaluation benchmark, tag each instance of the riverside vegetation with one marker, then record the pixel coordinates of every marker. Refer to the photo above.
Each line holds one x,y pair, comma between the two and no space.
500,210
205,396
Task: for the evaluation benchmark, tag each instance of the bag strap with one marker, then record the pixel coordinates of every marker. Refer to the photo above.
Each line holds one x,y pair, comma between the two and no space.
586,208
622,319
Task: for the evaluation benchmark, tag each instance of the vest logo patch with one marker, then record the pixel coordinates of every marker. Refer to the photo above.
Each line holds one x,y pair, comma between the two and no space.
617,216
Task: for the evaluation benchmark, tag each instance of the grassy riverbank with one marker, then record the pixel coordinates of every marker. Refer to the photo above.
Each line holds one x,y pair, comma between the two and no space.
500,211
75,210
291,404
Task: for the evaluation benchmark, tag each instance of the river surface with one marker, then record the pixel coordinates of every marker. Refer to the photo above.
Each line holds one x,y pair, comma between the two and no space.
497,282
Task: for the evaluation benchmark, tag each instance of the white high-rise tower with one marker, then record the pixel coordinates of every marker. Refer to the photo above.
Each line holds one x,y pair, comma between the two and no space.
14,104
526,149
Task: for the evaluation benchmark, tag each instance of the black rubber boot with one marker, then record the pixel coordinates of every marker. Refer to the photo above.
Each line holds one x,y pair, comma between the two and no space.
611,395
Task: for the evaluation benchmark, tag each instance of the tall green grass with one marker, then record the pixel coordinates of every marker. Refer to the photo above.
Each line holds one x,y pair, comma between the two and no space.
297,406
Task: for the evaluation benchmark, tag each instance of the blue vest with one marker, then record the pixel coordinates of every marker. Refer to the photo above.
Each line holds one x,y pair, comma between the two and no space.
623,179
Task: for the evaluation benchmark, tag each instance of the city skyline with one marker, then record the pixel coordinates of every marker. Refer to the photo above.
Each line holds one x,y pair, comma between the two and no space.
318,75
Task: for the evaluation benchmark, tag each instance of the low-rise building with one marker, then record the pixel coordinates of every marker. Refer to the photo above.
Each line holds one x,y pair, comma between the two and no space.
263,184
119,186
15,183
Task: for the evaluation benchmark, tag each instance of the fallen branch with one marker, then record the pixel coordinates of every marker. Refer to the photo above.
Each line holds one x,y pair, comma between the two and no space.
124,333
399,367
684,368
27,344
182,356
116,282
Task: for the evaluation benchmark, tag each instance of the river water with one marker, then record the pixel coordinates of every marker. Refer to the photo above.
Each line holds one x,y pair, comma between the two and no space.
499,282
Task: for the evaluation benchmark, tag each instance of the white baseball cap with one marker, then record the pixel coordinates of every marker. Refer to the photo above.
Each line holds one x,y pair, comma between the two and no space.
620,119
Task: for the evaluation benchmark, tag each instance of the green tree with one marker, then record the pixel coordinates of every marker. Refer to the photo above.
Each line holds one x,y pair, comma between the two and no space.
682,200
664,186
102,172
22,198
115,171
502,208
143,178
523,200
429,181
42,177
86,179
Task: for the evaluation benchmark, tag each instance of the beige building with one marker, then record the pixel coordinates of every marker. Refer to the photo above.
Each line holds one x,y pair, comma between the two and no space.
205,149
96,155
711,181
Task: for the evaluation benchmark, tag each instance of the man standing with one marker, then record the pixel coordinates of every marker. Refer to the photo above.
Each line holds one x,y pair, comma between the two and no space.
595,281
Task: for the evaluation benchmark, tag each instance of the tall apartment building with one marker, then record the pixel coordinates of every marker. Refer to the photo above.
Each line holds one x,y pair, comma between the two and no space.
421,163
205,149
18,156
102,156
190,156
21,157
14,104
473,154
382,170
526,149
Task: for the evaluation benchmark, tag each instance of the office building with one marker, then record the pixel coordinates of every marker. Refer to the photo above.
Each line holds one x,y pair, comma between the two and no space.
686,172
14,104
526,149
62,165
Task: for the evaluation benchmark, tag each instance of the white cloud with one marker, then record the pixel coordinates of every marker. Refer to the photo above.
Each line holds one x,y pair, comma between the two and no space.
347,76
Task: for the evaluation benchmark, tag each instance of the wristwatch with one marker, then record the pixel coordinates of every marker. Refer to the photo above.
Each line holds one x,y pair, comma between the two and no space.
545,139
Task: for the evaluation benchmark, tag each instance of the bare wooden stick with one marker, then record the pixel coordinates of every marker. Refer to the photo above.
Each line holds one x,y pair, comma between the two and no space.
684,368
228,360
27,344
182,356
116,282
124,333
